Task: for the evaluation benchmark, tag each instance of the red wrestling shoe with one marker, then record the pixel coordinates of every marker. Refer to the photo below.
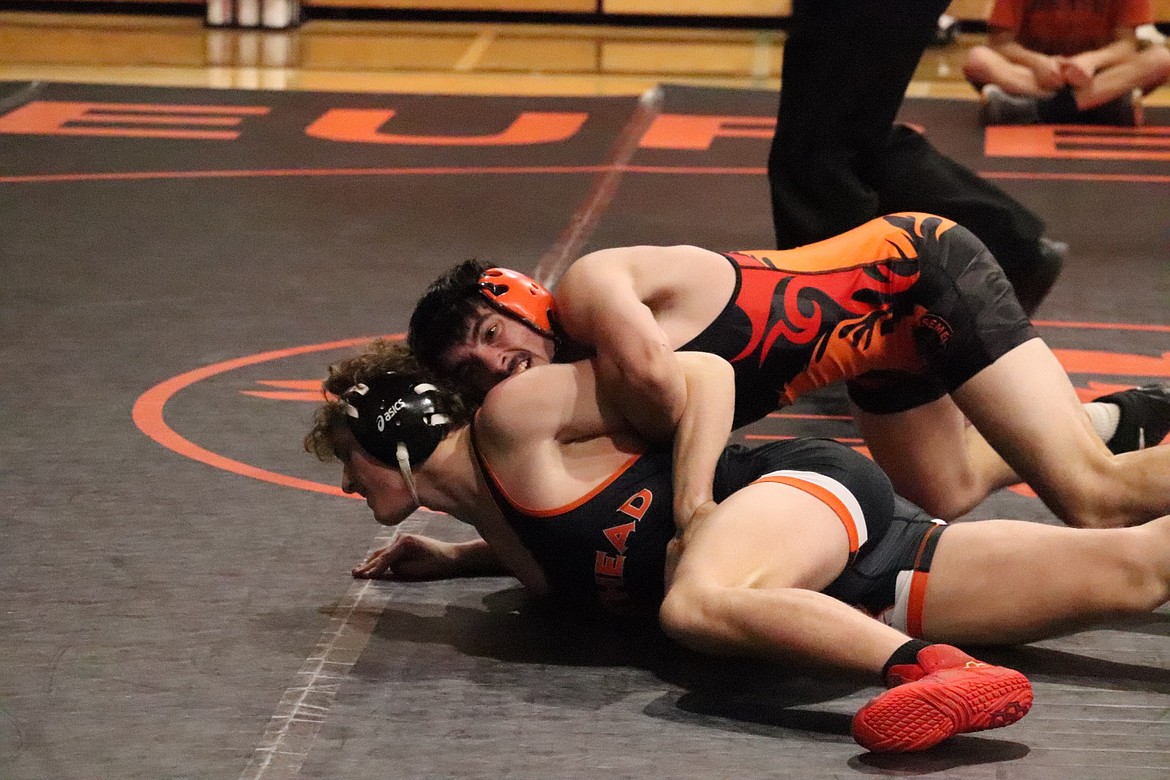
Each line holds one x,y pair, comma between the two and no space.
946,693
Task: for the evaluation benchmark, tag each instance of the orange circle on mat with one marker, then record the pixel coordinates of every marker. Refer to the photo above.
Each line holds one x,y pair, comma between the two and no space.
148,409
148,414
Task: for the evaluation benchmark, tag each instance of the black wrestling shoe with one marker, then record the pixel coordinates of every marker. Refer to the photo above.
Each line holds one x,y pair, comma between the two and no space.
1145,417
1033,281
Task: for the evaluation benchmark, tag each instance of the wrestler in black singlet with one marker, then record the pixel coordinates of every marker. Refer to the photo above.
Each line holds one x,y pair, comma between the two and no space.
609,550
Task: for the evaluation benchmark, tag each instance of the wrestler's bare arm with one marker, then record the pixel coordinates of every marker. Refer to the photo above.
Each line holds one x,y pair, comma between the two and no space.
416,557
527,421
703,430
627,303
535,411
561,403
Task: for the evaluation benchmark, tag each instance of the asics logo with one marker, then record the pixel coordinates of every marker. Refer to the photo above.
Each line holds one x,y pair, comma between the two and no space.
388,415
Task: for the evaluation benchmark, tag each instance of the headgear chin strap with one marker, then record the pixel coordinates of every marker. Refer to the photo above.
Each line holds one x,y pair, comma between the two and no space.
520,296
396,420
403,458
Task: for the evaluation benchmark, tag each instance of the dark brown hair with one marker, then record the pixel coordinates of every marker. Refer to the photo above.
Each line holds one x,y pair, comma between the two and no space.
443,315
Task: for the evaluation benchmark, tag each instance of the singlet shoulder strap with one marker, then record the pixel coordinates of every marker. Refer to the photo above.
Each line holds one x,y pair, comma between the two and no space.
507,504
485,470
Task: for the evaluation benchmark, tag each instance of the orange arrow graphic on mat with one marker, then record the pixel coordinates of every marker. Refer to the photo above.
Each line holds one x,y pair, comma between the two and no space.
294,390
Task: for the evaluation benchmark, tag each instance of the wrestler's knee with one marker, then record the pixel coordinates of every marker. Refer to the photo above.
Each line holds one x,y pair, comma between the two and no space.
1149,555
1145,568
946,490
1089,496
1131,570
686,614
945,500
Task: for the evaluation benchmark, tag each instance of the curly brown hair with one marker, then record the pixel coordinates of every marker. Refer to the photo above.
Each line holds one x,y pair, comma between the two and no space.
380,357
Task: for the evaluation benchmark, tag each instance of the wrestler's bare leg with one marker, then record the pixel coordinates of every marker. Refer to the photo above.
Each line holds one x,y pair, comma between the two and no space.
1009,581
747,580
1026,409
934,458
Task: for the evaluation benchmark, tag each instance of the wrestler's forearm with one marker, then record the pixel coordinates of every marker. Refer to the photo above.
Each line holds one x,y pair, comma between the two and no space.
702,431
477,559
601,304
419,557
647,387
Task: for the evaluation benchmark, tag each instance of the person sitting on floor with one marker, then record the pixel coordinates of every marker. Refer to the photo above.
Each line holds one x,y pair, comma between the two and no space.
1066,62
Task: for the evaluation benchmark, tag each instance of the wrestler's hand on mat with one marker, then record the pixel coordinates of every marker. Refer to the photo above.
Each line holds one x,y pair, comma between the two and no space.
410,557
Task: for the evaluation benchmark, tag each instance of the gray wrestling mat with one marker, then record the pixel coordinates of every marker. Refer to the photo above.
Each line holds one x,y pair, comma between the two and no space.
177,268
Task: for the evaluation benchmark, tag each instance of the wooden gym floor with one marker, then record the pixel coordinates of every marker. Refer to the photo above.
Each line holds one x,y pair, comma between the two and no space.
168,301
418,57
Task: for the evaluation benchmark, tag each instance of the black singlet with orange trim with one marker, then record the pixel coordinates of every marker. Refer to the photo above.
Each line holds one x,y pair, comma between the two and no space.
609,550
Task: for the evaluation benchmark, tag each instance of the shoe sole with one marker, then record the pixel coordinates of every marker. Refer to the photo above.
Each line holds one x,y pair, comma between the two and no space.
919,715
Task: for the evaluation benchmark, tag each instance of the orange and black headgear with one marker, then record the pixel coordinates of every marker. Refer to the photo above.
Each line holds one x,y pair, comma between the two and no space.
441,316
519,296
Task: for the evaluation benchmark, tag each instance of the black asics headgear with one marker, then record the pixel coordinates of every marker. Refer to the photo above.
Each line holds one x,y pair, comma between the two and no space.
393,410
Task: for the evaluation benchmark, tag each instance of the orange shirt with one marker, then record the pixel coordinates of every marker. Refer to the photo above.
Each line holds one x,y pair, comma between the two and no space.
1068,26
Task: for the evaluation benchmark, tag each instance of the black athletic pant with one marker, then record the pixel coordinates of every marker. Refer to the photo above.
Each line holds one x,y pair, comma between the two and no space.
837,159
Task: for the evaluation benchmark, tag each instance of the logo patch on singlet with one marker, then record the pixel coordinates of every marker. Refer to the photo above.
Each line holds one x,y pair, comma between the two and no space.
938,326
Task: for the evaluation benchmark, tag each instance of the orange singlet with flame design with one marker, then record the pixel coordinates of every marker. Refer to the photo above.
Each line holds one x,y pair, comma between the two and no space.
904,308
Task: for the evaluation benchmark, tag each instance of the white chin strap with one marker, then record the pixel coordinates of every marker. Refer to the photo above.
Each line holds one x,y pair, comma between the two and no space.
404,467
